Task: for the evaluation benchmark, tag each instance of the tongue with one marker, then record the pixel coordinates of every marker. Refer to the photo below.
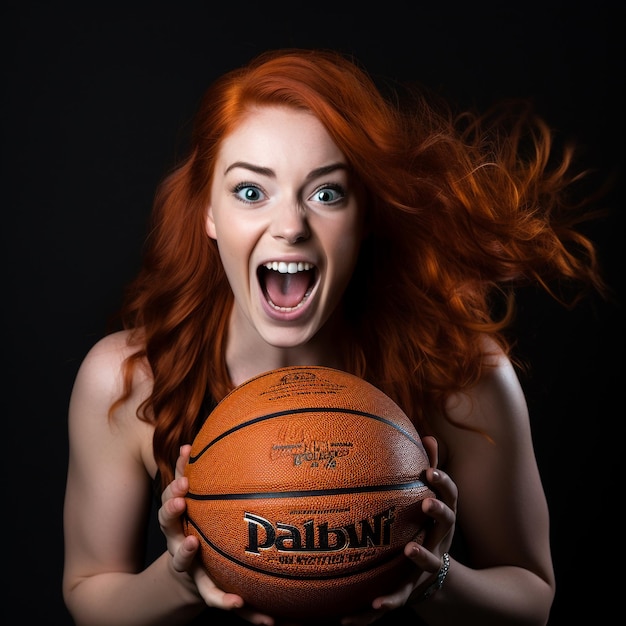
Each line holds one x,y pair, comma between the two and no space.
286,290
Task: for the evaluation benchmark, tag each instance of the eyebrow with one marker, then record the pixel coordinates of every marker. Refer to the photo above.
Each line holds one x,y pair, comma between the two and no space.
266,171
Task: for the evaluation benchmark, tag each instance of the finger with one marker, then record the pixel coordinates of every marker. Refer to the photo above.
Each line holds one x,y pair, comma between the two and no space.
186,559
444,520
432,449
213,596
257,618
380,606
443,485
183,459
183,558
426,561
394,600
176,489
170,512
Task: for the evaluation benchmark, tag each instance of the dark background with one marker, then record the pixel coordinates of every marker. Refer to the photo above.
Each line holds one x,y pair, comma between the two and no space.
96,104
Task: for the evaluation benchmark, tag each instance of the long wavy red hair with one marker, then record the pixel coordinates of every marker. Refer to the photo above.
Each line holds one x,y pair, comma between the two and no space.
460,210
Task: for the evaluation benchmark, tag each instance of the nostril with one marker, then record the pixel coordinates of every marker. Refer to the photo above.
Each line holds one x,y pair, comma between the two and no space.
291,226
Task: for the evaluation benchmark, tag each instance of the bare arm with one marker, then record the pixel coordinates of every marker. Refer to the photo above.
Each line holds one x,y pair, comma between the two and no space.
501,511
106,506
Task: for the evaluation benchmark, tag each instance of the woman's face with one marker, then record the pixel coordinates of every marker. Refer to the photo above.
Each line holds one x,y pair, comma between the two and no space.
287,223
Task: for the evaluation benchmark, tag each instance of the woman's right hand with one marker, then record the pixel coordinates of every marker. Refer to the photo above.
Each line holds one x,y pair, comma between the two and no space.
184,549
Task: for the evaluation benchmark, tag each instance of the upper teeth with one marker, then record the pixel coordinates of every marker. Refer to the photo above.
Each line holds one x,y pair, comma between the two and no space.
288,268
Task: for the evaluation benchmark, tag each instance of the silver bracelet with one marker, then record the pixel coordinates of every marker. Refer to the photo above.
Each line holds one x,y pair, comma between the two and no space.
441,576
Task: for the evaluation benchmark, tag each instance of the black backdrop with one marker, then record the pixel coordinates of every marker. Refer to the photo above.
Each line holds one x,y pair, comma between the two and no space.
95,107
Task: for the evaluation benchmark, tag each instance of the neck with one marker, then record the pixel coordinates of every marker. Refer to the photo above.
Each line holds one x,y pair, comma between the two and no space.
248,355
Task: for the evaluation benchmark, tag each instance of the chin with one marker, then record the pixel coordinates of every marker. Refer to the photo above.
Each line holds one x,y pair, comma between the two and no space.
287,338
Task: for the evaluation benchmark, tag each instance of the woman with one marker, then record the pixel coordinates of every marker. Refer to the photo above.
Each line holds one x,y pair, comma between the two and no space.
314,222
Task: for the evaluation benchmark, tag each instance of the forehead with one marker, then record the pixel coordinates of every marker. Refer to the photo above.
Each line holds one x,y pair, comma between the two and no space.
276,136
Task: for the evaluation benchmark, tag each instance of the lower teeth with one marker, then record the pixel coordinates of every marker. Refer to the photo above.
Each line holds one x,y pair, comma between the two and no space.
286,309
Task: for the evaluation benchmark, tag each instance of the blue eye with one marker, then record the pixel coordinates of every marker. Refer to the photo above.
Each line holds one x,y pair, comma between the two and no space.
248,193
328,194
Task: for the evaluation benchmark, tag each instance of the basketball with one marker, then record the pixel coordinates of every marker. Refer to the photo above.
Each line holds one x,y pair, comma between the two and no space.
304,487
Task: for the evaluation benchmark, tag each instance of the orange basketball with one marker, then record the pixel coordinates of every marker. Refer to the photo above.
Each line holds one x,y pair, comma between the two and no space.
304,487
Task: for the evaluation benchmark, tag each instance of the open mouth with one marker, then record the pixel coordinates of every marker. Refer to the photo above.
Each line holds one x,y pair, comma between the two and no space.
286,286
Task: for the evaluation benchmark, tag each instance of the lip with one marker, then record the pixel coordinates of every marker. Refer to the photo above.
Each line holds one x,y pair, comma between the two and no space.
295,314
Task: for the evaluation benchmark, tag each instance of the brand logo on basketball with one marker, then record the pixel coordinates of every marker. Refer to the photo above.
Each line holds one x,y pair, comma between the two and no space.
319,538
313,453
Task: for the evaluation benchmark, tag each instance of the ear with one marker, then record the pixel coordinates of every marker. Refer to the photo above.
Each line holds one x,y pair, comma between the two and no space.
210,224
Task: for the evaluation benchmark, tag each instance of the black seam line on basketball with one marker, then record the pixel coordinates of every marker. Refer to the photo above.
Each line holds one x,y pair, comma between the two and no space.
335,491
269,416
300,575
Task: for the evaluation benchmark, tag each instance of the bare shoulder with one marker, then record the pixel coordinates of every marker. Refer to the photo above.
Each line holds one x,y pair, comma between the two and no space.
495,407
101,370
109,351
99,383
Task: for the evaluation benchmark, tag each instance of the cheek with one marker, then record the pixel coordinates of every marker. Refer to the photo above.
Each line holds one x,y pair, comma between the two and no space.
349,240
232,264
235,243
228,250
345,253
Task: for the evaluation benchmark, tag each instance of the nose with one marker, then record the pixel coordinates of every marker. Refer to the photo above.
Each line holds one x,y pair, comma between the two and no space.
289,222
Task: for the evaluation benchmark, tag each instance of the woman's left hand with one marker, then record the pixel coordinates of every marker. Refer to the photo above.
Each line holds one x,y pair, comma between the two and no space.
427,557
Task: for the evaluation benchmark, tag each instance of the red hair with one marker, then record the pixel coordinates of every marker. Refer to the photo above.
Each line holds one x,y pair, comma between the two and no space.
460,212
